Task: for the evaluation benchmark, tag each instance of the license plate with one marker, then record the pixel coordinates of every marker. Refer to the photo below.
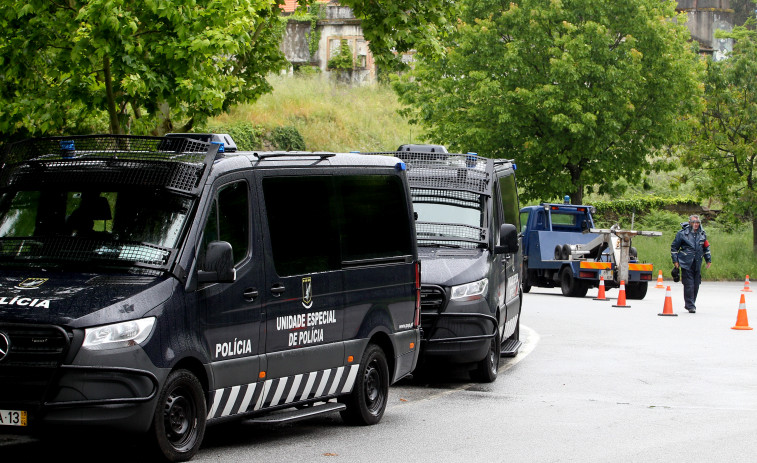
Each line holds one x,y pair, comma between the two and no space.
607,274
12,418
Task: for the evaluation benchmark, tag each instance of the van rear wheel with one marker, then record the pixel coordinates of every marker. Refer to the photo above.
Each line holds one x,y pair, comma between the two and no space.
367,402
179,422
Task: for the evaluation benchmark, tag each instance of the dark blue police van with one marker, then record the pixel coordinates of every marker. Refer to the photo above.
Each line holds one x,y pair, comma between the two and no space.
156,284
467,222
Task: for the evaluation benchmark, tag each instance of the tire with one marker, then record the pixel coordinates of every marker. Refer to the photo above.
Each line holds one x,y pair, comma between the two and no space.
179,422
486,369
526,283
636,290
570,286
367,402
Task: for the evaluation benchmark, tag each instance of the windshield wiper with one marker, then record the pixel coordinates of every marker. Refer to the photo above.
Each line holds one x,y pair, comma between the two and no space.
439,245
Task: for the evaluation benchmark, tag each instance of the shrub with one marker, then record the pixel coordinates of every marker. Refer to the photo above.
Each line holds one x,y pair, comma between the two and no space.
287,138
661,220
342,59
245,134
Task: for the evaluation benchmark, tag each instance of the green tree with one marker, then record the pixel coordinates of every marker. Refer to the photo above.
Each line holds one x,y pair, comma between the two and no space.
727,142
144,64
578,92
154,66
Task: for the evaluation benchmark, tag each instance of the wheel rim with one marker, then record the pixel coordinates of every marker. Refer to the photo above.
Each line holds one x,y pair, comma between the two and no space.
374,391
180,418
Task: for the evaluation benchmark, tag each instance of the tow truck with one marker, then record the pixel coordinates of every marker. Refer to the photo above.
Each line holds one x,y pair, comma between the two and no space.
563,248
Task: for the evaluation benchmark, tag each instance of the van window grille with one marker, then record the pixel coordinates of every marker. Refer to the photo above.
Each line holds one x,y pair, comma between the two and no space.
82,250
175,163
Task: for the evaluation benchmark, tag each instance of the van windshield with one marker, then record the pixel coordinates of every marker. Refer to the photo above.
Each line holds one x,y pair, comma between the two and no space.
449,217
125,225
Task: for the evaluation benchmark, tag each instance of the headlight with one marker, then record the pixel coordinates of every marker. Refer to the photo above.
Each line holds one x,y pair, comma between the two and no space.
117,335
470,291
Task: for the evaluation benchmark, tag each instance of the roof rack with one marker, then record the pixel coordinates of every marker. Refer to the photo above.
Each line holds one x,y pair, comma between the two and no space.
179,164
446,171
279,154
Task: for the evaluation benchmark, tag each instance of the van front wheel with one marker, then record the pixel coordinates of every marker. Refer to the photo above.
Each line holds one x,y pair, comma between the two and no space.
179,422
486,369
367,402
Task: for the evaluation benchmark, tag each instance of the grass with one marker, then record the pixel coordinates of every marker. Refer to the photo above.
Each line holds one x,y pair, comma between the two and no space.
732,257
329,116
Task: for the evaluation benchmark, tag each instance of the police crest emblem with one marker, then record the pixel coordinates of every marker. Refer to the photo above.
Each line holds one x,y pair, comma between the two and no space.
307,292
31,283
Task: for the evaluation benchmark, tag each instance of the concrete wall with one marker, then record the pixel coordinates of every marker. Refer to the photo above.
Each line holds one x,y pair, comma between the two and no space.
295,43
339,24
704,18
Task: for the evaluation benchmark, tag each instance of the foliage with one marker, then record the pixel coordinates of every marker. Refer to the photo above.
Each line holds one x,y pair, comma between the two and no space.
342,59
577,92
246,135
726,147
287,139
660,220
145,64
152,65
394,27
638,205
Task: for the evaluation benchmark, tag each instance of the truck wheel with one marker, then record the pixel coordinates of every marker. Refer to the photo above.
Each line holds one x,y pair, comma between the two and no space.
486,369
367,402
636,290
179,422
571,286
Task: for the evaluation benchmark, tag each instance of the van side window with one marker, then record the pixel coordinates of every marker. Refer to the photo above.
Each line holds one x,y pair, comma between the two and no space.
374,216
229,220
302,224
510,200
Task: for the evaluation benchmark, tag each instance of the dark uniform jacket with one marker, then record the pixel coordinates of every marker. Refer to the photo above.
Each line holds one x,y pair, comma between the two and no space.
687,251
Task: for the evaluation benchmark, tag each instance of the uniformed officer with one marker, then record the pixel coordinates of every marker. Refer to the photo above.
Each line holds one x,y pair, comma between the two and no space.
687,250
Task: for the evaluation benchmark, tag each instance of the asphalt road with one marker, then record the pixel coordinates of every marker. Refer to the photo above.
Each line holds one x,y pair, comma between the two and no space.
592,383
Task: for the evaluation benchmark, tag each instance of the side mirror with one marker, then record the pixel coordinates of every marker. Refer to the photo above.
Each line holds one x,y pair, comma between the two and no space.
508,240
219,264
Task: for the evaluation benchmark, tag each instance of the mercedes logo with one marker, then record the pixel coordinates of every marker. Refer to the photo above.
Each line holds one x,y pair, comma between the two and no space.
5,345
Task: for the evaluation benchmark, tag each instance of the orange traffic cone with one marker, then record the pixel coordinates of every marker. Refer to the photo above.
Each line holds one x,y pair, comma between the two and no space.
659,281
746,285
741,319
622,295
601,295
667,308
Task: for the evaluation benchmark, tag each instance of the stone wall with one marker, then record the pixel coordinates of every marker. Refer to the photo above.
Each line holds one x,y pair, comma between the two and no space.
704,18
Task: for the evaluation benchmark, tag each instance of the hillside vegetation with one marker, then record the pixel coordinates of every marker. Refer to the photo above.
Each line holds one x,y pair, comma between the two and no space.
335,117
329,116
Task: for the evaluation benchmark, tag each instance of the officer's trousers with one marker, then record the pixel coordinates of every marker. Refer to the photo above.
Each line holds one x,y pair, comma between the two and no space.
691,279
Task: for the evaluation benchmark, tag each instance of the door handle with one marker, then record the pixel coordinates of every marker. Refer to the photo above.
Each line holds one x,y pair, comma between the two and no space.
250,294
277,289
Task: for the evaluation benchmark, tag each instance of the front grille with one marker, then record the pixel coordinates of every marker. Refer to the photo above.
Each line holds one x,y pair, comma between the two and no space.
432,299
35,353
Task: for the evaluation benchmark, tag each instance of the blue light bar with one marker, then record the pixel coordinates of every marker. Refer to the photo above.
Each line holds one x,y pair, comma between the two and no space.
67,148
220,145
400,166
